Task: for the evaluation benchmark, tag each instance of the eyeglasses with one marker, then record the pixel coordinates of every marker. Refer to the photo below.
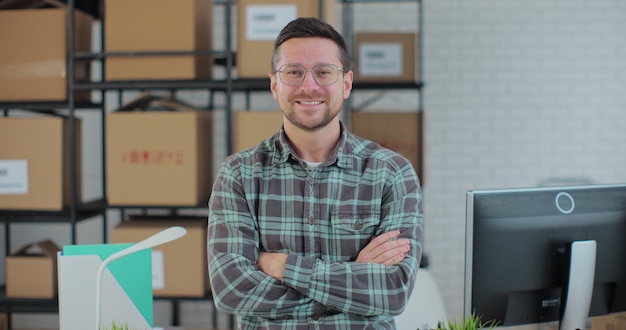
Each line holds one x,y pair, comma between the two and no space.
323,74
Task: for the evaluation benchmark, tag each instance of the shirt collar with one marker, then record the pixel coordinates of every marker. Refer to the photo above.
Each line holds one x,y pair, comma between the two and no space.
341,155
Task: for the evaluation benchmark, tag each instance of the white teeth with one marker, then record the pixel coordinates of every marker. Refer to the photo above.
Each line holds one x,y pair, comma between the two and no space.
310,103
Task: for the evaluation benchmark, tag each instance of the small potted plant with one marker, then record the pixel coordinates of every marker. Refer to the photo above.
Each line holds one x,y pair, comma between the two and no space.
472,322
118,326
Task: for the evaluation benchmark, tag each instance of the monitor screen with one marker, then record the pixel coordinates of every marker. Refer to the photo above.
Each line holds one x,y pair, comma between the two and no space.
518,252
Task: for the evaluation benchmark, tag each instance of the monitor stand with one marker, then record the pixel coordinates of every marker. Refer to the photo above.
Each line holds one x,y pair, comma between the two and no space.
577,293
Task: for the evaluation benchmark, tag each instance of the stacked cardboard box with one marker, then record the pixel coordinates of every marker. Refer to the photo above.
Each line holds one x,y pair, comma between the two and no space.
398,131
35,171
251,127
260,21
615,321
32,271
383,57
33,65
179,268
162,156
158,26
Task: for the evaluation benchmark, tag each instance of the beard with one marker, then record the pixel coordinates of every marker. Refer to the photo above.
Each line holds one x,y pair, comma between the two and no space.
309,126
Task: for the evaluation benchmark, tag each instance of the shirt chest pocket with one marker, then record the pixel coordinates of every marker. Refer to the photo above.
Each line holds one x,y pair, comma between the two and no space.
352,231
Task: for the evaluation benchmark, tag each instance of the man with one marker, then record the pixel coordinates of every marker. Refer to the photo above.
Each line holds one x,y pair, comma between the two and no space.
314,227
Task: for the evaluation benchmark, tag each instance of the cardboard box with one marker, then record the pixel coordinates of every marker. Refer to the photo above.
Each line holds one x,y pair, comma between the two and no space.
35,163
158,157
398,131
386,57
251,127
159,26
260,21
125,293
32,271
615,321
179,268
34,51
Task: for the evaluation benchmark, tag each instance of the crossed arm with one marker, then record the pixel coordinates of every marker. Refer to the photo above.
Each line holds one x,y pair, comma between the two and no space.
383,249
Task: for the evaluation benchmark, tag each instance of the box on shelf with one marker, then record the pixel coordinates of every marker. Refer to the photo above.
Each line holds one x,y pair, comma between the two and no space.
35,171
161,156
260,21
251,127
34,51
183,25
386,57
179,268
615,321
32,271
398,131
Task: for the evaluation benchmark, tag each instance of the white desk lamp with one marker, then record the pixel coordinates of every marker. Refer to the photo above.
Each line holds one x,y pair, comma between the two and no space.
162,237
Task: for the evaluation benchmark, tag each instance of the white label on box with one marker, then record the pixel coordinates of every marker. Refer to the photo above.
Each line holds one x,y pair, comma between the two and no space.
380,59
264,22
158,270
14,177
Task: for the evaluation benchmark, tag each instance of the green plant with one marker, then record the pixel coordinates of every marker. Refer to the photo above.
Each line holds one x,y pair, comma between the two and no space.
472,322
117,326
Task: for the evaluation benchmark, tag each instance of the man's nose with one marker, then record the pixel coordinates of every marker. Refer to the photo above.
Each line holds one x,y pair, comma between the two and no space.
309,81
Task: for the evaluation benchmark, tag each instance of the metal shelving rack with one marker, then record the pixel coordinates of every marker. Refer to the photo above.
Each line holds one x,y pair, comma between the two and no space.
417,86
227,85
82,211
78,211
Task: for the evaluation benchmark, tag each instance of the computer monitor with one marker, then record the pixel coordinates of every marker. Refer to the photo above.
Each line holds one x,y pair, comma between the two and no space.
536,255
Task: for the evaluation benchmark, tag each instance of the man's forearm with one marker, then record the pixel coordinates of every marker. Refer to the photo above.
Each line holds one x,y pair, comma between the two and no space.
383,249
362,288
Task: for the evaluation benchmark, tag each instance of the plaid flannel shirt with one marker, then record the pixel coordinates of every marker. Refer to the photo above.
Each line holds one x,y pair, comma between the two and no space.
265,199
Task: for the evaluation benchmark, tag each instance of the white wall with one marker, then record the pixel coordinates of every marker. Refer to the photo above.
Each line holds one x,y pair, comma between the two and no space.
517,92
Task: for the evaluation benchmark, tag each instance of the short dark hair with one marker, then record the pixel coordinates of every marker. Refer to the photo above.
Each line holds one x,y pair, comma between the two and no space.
309,27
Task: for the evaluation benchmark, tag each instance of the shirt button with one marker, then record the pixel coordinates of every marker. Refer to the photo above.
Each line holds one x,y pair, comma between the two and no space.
311,221
357,226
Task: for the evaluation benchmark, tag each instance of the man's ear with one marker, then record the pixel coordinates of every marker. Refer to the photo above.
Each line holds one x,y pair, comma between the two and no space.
272,76
347,83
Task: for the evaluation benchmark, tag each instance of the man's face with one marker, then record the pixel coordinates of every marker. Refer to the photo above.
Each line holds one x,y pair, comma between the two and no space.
310,106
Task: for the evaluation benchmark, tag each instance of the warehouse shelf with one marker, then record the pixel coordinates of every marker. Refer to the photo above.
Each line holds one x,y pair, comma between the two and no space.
240,85
30,305
47,107
159,207
77,210
83,211
229,84
216,85
376,90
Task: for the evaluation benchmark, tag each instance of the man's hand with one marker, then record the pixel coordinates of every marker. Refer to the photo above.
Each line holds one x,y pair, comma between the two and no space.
385,250
272,263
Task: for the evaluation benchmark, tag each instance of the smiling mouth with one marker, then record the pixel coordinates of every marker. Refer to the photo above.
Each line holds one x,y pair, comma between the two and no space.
310,102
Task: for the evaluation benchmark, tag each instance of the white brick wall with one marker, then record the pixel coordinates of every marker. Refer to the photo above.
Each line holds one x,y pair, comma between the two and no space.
517,91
